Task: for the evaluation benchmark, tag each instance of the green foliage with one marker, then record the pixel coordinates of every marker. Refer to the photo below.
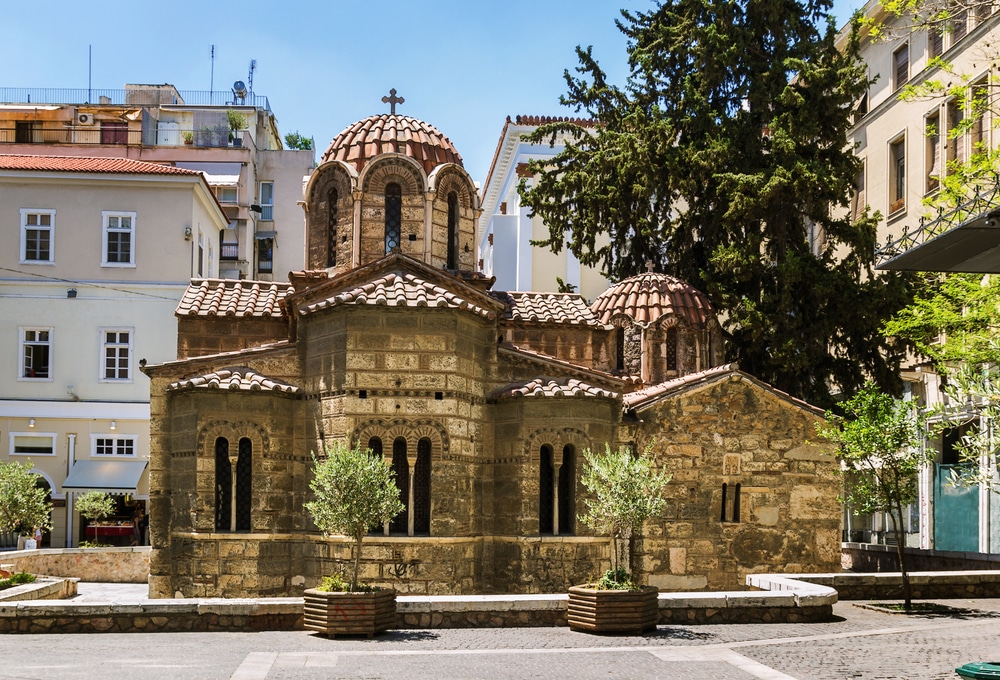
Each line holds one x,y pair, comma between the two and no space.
16,580
355,492
23,505
293,140
880,450
94,544
564,287
236,120
335,583
724,160
616,579
95,505
625,490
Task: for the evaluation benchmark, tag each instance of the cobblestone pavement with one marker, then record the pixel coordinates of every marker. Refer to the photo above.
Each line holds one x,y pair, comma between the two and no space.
860,643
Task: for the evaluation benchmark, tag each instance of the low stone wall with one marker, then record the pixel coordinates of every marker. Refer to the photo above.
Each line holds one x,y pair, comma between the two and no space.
869,558
42,588
97,565
926,585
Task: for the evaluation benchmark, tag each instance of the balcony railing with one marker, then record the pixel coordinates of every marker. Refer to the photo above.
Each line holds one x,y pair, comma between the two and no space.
229,251
267,212
129,97
63,132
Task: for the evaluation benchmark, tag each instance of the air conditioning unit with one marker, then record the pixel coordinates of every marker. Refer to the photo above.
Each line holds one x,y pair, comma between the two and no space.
85,118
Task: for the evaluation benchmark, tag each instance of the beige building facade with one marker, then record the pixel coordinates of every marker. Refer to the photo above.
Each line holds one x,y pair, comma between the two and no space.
96,254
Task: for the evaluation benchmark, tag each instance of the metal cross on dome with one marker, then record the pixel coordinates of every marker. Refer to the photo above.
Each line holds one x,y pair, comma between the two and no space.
392,100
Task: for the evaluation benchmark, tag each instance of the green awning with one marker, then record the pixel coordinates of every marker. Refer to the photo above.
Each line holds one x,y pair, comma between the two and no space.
109,476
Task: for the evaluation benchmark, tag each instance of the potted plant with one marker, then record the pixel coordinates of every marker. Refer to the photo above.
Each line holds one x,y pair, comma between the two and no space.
23,504
237,122
95,506
188,137
355,492
625,490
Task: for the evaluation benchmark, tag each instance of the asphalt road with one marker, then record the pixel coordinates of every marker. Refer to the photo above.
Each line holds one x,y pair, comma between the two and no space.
860,644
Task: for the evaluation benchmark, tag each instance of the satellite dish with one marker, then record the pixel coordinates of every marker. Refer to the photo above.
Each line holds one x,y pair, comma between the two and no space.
240,89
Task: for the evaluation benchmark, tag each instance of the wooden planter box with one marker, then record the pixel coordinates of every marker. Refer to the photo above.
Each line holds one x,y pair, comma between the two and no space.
334,614
612,611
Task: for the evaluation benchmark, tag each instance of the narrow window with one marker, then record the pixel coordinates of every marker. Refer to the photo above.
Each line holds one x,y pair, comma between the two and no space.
201,255
331,237
393,216
223,486
859,200
119,239
620,348
375,449
36,351
900,67
266,201
935,42
959,25
567,491
725,488
736,504
932,154
228,250
956,135
897,175
452,230
244,484
422,489
979,108
401,469
265,255
545,491
670,349
37,232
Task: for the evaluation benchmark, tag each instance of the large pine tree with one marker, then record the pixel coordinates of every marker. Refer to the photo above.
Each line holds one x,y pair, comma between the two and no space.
724,160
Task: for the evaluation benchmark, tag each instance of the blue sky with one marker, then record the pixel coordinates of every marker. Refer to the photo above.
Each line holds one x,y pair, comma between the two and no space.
461,65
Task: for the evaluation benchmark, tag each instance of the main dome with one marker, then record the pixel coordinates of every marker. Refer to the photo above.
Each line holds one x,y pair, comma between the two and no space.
391,133
649,296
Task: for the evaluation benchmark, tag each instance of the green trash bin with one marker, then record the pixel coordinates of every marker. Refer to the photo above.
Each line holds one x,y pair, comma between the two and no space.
980,669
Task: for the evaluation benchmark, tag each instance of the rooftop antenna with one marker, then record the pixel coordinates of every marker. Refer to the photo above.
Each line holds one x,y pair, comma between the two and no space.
253,67
211,82
90,71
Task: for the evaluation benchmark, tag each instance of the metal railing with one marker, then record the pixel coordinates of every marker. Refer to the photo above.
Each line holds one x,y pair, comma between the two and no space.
129,97
229,251
62,132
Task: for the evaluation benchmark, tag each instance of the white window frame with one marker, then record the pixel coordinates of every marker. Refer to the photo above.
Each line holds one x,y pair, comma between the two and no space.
220,190
105,346
106,230
51,228
51,436
117,439
267,209
935,150
893,176
22,342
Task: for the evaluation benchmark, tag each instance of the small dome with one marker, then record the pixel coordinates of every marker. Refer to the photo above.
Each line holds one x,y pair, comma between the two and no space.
648,297
390,133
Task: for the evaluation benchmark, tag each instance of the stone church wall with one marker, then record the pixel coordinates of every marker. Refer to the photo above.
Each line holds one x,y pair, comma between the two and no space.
581,345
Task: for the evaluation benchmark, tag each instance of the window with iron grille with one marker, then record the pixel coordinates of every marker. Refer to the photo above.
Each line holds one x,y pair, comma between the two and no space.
37,231
393,216
119,239
116,355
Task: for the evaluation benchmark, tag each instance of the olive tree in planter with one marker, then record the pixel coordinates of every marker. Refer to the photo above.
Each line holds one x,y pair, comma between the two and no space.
95,506
625,490
23,504
355,492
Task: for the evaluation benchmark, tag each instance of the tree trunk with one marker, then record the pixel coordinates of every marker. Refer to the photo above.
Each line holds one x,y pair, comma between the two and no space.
357,561
900,535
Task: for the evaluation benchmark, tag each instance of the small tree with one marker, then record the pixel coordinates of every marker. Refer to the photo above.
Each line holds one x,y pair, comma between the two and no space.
23,504
626,490
355,491
95,506
880,453
293,140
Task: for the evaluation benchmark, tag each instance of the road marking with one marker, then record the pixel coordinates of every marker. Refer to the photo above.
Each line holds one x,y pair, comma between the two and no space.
754,668
255,666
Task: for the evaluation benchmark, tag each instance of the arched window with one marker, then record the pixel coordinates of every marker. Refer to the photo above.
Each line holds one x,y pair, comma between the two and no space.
620,348
545,490
400,524
670,349
393,215
223,486
567,491
422,489
244,484
375,446
452,230
331,240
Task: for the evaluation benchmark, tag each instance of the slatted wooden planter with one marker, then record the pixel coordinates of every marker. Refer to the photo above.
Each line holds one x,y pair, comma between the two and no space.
334,614
612,611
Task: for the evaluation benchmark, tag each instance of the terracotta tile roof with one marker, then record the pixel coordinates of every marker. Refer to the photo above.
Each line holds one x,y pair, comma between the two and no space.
648,297
229,297
389,133
88,164
549,387
238,379
399,289
563,308
270,349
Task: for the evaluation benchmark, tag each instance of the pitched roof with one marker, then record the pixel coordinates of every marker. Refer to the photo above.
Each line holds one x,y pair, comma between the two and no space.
563,308
649,296
550,387
399,289
241,378
233,298
89,164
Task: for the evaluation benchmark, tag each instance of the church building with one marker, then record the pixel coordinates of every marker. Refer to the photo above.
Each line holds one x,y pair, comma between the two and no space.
482,401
